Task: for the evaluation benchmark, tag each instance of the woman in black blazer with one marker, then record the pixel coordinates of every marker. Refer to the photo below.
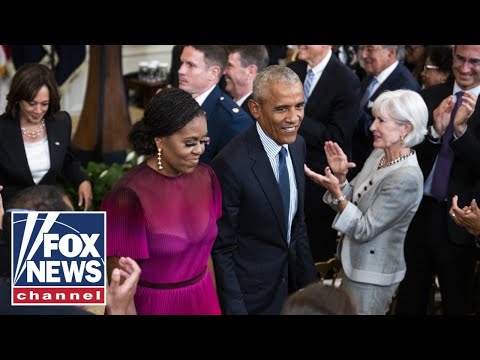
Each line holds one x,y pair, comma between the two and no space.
35,137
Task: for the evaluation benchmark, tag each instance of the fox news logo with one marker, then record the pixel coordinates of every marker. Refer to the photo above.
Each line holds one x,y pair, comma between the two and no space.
58,258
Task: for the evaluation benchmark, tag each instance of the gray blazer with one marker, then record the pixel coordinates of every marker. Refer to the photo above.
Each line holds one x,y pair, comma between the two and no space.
375,221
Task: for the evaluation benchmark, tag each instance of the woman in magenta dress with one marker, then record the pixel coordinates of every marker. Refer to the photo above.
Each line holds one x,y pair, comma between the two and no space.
163,213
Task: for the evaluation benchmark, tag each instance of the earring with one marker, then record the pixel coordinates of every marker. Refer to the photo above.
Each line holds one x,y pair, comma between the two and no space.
160,167
402,137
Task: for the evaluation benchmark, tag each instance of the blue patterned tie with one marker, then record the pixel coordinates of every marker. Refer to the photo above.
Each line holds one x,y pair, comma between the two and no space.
368,92
283,182
307,86
445,157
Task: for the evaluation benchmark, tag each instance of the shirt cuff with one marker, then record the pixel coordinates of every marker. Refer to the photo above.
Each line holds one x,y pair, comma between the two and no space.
434,137
455,137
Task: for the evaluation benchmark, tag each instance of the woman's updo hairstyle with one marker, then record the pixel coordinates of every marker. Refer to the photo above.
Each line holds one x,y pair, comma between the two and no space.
166,113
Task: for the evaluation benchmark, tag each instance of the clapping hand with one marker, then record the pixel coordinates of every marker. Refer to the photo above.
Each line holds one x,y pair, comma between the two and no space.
467,217
466,109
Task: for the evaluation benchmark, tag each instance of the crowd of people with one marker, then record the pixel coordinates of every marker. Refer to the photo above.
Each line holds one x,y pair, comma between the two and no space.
254,172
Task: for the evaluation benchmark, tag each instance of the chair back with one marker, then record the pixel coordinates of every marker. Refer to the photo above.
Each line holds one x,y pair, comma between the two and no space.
329,272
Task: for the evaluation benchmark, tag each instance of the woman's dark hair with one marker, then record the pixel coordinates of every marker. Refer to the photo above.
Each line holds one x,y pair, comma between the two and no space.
441,56
166,113
25,85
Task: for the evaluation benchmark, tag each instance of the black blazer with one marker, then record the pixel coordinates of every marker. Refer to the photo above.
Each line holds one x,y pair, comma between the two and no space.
331,110
400,78
15,173
465,175
255,267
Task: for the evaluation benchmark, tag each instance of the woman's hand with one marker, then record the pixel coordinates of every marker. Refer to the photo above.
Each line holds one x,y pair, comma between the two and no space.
337,160
85,195
329,181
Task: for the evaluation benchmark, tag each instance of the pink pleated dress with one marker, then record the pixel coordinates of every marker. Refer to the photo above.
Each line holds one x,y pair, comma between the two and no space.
169,226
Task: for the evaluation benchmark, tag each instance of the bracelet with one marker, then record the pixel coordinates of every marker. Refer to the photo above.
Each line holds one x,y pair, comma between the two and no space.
339,199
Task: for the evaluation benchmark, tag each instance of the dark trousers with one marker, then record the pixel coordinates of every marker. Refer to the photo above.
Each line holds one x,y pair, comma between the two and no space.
319,218
429,252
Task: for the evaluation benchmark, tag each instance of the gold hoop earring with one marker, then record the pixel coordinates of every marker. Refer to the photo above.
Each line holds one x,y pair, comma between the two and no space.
160,167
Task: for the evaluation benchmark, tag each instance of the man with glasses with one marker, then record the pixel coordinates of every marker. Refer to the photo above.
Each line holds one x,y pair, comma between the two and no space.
384,72
434,244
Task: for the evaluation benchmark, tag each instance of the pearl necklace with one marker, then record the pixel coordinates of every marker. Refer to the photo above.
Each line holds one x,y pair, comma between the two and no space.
393,162
35,133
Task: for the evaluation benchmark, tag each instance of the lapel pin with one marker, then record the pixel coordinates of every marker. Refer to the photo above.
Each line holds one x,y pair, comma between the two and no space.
57,143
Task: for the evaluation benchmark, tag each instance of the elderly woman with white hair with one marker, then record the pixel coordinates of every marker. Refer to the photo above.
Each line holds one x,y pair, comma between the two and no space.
375,209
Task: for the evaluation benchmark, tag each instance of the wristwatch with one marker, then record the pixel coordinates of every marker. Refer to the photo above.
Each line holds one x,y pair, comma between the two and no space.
339,199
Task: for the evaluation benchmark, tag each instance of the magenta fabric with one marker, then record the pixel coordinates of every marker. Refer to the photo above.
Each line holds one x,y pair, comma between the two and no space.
169,226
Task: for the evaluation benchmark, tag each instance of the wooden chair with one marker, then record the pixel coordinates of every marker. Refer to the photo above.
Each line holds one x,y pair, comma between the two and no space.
329,272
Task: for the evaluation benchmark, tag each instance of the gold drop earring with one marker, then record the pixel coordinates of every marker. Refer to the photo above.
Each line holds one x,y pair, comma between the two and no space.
160,167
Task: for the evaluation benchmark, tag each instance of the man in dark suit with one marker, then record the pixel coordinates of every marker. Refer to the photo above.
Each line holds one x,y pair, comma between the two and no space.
384,72
435,245
329,115
199,73
261,253
244,62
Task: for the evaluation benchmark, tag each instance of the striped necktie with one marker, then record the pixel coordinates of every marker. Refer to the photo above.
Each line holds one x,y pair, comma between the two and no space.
307,86
368,92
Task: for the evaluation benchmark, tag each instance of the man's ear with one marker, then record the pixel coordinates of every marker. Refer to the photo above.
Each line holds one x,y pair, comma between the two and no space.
254,108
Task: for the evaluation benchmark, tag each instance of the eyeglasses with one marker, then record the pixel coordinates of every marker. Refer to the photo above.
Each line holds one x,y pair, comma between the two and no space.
430,67
462,60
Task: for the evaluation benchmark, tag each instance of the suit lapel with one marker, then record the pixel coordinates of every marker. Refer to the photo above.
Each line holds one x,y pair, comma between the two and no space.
15,149
263,172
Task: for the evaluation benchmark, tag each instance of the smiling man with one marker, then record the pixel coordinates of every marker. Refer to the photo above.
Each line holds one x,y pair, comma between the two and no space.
261,253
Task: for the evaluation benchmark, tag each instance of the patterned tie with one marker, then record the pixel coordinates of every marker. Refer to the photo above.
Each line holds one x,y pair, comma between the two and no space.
368,92
307,86
445,157
283,182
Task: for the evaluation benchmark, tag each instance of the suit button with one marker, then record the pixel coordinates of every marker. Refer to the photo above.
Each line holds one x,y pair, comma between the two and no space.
372,251
355,203
284,279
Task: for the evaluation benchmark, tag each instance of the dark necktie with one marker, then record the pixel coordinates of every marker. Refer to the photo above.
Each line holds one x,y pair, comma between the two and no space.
283,182
368,92
445,157
307,86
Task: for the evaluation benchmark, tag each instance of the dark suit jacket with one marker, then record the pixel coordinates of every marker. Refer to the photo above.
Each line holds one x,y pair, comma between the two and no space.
225,120
400,78
255,267
465,175
15,173
246,108
330,112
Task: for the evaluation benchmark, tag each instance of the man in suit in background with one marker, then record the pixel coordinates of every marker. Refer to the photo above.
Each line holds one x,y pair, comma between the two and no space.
330,114
199,73
244,62
384,72
435,245
261,253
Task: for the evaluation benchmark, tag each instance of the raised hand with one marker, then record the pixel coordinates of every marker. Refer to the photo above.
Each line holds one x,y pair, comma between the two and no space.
337,160
464,112
441,115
